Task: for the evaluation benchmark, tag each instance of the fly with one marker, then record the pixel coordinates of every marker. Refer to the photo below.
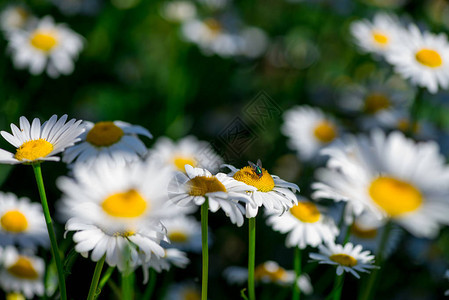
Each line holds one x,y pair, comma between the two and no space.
257,168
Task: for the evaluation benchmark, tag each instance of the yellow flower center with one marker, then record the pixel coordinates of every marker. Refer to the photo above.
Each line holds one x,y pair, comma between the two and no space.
125,233
380,38
213,25
191,294
177,237
404,126
325,131
129,204
181,161
375,102
23,268
273,274
104,134
394,196
14,221
344,260
429,58
363,233
201,185
33,150
43,40
15,296
306,212
264,183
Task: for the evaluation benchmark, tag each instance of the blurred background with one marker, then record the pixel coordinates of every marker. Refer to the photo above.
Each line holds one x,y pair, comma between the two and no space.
159,64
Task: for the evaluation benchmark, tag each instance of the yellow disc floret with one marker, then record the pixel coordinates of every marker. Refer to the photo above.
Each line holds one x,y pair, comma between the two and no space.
394,196
14,221
23,269
344,259
376,102
177,237
306,212
129,204
264,183
33,150
104,134
429,58
191,294
380,38
43,40
180,162
201,185
363,233
270,272
325,131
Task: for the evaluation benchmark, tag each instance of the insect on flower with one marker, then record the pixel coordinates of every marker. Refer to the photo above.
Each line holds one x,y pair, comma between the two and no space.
257,168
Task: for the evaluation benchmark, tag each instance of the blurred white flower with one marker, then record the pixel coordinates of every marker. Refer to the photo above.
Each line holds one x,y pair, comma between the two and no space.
178,10
14,17
46,46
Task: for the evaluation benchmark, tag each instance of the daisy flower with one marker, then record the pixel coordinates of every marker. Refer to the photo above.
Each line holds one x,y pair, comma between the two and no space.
173,257
22,273
116,140
115,208
187,151
178,11
14,17
379,35
38,142
423,58
183,291
265,189
184,233
391,176
305,224
269,272
308,130
45,46
347,258
22,222
222,191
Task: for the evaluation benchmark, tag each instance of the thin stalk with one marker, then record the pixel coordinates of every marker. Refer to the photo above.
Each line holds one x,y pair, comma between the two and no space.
338,287
127,286
368,291
251,257
297,265
51,232
205,248
106,277
150,286
93,292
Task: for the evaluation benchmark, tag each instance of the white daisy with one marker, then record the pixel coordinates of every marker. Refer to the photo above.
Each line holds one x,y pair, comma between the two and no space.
347,258
38,142
22,273
187,151
183,291
423,58
116,140
269,272
377,103
308,130
377,36
115,208
392,176
272,192
184,233
305,224
22,222
45,46
14,17
178,10
222,191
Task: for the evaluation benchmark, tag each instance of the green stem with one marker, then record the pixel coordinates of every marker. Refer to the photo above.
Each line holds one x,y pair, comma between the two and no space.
251,257
338,287
51,232
127,286
205,246
414,111
106,277
368,291
297,265
151,284
93,293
